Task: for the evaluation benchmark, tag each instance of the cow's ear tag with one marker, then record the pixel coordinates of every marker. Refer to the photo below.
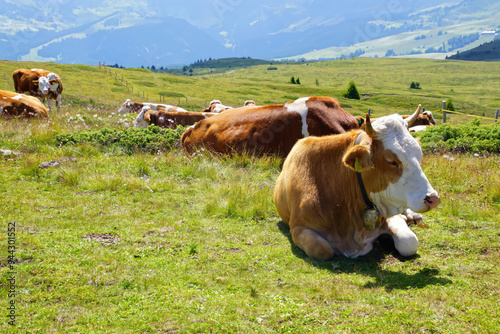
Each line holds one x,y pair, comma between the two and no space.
371,218
358,167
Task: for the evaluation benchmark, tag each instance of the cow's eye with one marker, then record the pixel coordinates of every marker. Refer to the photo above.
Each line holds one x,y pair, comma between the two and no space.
394,164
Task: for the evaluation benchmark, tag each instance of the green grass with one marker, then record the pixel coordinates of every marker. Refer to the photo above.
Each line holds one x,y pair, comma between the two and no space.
128,241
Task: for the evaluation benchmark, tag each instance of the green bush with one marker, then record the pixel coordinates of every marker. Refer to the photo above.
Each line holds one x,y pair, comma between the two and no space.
449,105
472,138
151,139
352,91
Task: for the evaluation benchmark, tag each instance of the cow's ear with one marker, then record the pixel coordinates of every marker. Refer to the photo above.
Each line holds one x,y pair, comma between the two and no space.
358,158
35,82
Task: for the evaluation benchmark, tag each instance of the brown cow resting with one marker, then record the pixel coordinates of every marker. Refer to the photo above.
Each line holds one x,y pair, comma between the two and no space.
20,105
169,118
271,129
319,196
425,119
39,83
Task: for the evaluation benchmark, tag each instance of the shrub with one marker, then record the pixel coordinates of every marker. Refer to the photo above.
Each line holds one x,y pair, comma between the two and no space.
352,91
449,105
292,80
472,138
151,139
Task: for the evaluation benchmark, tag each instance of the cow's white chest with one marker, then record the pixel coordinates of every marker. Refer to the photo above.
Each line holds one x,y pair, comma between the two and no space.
299,106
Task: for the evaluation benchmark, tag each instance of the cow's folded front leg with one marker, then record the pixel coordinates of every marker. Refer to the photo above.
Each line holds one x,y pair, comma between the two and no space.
312,243
405,241
411,217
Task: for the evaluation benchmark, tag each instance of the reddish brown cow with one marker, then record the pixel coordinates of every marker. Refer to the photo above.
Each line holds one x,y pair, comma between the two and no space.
319,191
20,105
169,118
271,129
39,83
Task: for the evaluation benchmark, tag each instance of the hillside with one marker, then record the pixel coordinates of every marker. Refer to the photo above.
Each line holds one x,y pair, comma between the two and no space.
212,66
383,83
486,51
434,33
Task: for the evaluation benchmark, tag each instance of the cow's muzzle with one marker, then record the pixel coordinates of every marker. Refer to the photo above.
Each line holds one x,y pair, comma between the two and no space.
431,201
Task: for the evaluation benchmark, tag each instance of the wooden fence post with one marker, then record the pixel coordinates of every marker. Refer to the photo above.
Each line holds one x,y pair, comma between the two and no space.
444,111
496,116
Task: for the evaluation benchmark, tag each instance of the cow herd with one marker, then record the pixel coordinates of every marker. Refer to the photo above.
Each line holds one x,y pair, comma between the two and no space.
345,180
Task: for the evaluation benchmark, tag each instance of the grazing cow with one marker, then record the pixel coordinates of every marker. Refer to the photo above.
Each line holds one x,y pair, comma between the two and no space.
271,129
20,105
39,83
319,191
169,118
216,106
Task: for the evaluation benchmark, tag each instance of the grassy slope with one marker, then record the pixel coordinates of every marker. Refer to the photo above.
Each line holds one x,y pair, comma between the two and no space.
162,243
473,86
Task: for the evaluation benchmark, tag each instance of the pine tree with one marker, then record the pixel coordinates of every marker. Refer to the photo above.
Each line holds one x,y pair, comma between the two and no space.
297,81
292,80
352,91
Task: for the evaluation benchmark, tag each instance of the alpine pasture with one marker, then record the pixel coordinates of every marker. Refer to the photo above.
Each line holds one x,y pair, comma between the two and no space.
144,239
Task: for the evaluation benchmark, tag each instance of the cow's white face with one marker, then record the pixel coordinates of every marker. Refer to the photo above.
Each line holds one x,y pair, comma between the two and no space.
44,85
411,188
54,84
220,108
125,108
139,121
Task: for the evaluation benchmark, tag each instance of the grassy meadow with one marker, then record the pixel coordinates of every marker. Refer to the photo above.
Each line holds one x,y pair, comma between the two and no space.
114,241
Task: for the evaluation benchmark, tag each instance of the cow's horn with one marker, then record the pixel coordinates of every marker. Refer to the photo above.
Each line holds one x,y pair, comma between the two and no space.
410,120
368,127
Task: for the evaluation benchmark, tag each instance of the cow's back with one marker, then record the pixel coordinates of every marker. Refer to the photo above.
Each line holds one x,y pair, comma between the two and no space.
23,80
272,129
261,130
20,105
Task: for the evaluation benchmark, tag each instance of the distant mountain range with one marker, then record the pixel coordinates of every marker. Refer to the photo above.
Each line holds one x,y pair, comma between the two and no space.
137,33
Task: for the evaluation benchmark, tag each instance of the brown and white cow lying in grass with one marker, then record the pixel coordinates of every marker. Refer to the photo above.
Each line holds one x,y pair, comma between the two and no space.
20,105
268,130
319,196
39,83
168,118
135,107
